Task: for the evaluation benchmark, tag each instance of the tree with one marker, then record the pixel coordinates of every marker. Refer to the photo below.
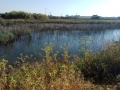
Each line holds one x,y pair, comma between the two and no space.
95,17
39,16
22,15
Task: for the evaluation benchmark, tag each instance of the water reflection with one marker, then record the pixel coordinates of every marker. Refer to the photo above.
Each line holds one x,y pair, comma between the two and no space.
32,45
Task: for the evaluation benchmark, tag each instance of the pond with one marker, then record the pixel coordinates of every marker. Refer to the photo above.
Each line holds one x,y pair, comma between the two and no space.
31,46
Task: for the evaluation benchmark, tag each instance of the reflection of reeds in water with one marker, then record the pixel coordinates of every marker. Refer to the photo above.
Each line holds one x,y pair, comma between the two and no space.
25,44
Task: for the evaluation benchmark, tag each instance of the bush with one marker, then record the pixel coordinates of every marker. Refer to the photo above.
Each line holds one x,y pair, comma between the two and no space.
100,67
6,37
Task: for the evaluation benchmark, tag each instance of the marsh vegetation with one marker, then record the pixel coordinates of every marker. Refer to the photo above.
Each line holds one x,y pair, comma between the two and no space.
54,74
58,54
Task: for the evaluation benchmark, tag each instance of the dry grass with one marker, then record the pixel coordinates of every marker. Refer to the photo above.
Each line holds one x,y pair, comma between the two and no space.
39,76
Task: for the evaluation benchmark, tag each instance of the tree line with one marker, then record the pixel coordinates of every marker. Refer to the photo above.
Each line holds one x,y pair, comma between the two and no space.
22,15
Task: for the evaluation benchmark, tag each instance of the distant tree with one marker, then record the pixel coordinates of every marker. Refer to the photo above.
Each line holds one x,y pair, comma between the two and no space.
16,15
19,15
95,17
39,16
22,15
76,16
3,15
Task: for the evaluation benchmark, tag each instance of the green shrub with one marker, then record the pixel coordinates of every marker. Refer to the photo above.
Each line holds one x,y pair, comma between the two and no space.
39,16
6,37
100,67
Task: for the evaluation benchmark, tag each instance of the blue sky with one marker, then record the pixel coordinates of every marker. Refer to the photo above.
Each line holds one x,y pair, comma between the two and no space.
63,7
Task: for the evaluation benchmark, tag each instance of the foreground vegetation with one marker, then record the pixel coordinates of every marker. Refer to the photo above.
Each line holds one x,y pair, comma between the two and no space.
91,71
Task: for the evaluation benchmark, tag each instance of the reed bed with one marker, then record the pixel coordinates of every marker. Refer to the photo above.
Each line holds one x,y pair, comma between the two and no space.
21,27
56,26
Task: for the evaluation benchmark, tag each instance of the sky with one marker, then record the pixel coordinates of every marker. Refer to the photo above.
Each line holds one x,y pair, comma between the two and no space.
106,8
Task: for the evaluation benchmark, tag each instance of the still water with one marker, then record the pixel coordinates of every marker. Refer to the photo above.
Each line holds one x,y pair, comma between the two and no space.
32,46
